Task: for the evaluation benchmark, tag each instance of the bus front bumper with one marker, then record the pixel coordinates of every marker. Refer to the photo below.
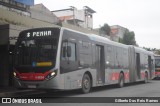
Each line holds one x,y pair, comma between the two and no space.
46,84
157,74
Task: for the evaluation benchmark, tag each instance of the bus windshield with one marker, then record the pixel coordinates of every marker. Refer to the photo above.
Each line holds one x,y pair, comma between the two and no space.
157,63
36,51
30,51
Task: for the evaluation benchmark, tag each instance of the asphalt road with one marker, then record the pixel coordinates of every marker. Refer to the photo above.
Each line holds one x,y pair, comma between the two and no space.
151,89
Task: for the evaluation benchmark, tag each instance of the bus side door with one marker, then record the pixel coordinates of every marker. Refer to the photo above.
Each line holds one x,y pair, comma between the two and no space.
100,64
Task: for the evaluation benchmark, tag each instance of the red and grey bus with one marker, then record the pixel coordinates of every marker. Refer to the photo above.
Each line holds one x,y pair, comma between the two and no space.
157,66
64,59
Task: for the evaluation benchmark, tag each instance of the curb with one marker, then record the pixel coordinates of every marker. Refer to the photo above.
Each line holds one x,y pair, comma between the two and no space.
16,93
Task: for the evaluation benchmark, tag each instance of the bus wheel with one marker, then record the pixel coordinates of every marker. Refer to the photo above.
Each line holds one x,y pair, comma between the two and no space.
146,78
86,83
121,80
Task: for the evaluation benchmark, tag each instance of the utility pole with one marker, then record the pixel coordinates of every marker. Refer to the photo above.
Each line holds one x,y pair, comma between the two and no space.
73,9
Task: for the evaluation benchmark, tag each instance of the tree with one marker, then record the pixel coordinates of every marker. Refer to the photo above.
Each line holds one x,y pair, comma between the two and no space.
150,49
157,52
154,50
105,29
128,38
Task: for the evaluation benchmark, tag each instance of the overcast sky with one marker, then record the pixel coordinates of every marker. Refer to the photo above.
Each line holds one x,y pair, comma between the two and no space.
140,16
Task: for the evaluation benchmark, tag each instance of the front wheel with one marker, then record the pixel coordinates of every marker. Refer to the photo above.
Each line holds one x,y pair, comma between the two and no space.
86,83
121,80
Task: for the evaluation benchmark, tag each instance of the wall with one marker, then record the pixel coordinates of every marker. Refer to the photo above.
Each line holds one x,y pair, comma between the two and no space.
40,12
17,19
14,31
4,58
84,30
3,38
67,12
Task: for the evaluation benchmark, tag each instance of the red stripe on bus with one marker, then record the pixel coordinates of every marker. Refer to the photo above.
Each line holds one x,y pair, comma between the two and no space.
157,73
126,75
143,74
153,73
33,76
115,76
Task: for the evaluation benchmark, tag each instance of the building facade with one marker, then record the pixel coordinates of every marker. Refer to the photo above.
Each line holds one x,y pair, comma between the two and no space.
82,18
13,12
40,12
117,32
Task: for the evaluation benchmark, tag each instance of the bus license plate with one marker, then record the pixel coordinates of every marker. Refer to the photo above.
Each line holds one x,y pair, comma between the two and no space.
31,86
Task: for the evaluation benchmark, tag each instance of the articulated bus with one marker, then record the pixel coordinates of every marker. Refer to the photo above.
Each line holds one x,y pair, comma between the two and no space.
157,66
64,59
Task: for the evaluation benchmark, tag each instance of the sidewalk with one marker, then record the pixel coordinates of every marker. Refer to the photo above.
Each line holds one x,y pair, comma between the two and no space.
4,89
11,91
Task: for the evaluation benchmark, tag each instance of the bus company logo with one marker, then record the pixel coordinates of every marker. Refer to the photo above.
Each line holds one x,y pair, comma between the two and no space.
6,100
40,33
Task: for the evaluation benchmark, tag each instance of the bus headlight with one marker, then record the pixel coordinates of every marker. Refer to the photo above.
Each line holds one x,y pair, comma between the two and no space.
51,75
15,75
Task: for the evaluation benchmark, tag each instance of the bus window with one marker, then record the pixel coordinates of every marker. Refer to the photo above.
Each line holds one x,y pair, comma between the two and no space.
69,51
157,63
68,61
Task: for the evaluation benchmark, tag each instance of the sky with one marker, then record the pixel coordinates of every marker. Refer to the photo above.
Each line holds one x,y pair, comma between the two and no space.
140,16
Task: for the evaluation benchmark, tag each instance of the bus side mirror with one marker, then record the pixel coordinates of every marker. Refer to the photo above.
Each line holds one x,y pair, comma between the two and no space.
68,51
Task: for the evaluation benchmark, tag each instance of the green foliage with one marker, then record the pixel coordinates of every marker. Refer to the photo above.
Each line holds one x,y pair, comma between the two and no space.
156,51
105,29
150,49
120,40
128,38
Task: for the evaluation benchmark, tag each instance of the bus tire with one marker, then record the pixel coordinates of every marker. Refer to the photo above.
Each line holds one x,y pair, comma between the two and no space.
86,84
146,78
121,80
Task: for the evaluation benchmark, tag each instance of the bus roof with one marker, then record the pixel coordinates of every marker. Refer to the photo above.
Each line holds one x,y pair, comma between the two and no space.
157,56
97,38
105,40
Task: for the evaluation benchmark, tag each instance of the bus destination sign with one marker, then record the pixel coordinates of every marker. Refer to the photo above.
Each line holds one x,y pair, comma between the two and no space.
39,34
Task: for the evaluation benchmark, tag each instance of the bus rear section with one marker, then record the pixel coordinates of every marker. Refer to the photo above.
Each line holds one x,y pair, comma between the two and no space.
157,67
36,59
141,64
